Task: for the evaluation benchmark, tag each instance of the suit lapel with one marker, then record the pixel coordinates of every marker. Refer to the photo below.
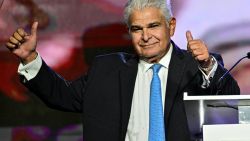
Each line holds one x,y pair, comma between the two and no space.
127,83
175,74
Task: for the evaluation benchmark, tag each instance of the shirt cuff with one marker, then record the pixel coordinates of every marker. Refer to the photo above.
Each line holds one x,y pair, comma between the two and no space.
30,70
208,77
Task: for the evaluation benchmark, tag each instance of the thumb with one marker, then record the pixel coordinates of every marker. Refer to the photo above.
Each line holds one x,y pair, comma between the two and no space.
34,28
189,35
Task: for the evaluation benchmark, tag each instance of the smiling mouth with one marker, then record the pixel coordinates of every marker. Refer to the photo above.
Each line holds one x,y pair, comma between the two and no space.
147,45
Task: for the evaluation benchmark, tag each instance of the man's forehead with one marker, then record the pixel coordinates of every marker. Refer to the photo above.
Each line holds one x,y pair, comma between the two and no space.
146,22
146,16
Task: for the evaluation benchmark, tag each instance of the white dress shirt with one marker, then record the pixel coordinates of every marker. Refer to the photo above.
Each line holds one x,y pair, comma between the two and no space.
138,125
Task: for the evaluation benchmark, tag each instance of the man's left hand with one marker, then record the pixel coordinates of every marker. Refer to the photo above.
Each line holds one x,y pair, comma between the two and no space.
199,50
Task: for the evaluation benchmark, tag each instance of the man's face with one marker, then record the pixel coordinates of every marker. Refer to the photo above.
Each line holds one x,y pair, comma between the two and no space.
150,33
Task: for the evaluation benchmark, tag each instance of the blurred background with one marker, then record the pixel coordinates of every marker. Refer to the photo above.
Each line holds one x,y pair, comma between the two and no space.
72,32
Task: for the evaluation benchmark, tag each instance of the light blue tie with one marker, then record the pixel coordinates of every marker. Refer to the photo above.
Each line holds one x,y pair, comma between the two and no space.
156,118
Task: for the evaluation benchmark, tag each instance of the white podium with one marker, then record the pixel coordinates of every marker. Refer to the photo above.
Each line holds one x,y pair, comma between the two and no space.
226,132
218,115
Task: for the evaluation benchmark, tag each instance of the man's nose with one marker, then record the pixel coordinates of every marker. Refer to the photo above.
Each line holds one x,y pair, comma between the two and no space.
146,35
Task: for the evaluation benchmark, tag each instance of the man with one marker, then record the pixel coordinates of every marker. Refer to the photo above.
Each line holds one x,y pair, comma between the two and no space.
115,96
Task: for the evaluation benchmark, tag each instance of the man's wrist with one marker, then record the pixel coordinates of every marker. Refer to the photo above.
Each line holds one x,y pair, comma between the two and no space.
30,70
30,58
208,65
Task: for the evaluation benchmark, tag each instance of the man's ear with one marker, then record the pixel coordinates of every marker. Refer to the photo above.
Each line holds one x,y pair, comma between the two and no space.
172,25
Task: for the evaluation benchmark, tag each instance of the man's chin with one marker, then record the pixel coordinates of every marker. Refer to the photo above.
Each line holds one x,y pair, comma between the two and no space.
150,58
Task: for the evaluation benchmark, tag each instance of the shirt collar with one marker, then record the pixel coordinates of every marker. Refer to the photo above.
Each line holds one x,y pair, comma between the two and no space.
165,60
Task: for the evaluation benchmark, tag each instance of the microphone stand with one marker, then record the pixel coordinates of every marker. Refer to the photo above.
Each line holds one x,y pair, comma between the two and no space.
219,85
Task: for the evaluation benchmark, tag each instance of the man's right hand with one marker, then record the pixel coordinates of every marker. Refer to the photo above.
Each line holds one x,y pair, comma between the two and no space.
23,45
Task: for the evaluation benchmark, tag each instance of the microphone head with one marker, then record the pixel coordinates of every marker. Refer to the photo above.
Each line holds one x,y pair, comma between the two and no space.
248,55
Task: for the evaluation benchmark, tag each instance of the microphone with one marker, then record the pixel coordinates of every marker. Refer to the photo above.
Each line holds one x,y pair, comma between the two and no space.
218,84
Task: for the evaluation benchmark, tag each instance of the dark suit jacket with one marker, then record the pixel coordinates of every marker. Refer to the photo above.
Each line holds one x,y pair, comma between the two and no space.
104,96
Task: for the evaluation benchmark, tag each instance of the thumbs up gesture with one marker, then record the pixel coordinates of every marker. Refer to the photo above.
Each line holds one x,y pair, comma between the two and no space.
23,45
199,50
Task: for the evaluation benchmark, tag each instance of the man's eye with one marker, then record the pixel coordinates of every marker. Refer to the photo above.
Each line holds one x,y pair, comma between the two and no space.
153,25
135,29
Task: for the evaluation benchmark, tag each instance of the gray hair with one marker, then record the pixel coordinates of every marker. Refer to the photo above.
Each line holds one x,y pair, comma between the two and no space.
141,4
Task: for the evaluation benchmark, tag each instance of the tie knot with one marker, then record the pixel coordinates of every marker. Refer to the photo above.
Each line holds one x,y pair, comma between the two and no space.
156,68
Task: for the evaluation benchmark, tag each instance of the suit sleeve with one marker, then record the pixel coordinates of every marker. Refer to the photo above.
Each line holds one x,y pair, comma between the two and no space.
55,91
228,86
